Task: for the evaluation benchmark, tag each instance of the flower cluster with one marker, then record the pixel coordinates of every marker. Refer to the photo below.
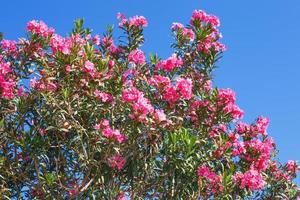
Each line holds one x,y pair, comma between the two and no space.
169,64
108,132
39,28
137,57
98,119
7,83
214,182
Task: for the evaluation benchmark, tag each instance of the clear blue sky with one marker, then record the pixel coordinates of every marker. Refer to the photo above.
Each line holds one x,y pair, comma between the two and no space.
261,64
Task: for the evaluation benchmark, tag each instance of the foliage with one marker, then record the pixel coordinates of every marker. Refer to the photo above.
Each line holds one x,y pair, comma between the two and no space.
84,118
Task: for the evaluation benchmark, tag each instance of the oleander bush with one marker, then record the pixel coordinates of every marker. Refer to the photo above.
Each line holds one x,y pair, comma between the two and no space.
85,117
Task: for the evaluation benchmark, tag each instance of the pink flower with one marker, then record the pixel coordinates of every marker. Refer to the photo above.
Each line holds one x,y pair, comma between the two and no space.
252,179
108,132
159,81
7,87
9,45
176,26
198,15
137,57
214,184
184,86
201,16
60,44
141,109
39,28
131,95
102,96
96,40
261,125
171,95
5,68
20,91
169,64
138,21
89,67
292,166
117,161
42,131
159,115
188,33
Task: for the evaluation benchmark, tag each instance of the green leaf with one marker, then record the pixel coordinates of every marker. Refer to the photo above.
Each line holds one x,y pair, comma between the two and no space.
50,178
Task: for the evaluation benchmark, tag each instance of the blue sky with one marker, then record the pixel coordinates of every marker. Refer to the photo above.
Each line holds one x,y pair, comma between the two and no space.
262,37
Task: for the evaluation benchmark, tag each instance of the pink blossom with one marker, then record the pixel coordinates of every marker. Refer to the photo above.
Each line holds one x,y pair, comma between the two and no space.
137,57
261,125
9,45
39,28
188,33
5,68
176,26
103,96
159,81
171,95
171,63
292,166
42,131
138,21
213,179
131,95
252,179
60,44
199,15
117,161
184,86
7,87
89,68
141,109
159,115
96,40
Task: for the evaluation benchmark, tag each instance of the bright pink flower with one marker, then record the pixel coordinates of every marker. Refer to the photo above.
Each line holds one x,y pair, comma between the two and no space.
170,64
7,87
188,33
292,166
103,96
108,132
176,26
138,21
214,184
198,15
185,86
117,161
141,109
60,44
39,28
5,68
252,179
131,95
20,91
159,81
201,16
89,68
159,115
260,126
96,40
137,57
171,95
51,87
9,45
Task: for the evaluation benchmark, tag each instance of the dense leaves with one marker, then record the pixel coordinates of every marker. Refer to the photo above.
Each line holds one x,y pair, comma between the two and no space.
82,117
